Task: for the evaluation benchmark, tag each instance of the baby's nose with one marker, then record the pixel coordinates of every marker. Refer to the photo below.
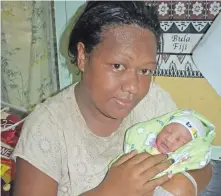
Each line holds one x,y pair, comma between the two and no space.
170,139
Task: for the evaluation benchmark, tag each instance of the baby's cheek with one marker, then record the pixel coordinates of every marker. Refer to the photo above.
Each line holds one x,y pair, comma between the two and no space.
171,148
159,140
157,144
176,145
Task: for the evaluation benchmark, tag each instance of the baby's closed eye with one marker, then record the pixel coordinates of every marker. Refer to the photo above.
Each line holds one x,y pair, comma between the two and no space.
182,141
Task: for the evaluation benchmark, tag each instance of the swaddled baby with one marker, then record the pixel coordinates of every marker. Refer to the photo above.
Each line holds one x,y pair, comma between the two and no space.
177,132
185,135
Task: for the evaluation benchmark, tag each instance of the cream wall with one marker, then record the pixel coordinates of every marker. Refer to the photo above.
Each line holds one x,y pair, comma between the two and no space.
197,94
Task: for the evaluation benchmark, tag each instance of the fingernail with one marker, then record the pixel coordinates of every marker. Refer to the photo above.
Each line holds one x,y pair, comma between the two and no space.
157,187
170,176
171,161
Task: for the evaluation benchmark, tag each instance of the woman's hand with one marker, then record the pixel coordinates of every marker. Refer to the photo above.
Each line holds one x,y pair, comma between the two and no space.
130,175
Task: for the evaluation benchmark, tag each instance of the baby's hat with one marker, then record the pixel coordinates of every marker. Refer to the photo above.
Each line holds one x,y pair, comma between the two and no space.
193,124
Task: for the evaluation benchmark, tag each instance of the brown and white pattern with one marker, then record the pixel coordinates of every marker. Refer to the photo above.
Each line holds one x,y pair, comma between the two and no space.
183,24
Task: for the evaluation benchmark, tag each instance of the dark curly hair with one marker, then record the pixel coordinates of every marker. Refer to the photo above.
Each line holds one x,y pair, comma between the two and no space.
100,14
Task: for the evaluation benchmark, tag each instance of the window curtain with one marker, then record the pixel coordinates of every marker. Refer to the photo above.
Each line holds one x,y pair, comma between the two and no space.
28,61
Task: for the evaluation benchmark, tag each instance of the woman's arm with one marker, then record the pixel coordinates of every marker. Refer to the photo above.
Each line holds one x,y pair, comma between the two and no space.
182,186
31,181
38,155
202,177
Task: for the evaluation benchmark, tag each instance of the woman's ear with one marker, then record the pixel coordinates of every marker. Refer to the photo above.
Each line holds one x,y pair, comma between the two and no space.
81,58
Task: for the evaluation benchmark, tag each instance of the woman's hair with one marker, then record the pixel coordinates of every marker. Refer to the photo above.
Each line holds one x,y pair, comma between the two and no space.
100,14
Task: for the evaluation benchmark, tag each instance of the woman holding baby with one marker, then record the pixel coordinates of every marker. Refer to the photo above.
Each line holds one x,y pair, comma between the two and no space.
68,142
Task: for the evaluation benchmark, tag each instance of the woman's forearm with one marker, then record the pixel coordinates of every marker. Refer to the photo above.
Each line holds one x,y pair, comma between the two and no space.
178,182
202,177
180,185
92,192
97,191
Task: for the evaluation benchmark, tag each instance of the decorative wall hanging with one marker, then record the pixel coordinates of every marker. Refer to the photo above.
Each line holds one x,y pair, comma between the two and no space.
183,23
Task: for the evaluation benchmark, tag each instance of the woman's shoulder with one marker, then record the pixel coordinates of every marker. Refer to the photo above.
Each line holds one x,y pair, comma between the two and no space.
42,142
47,120
158,94
156,103
53,111
60,104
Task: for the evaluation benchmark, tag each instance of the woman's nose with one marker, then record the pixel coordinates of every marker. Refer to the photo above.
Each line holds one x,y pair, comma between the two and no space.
131,83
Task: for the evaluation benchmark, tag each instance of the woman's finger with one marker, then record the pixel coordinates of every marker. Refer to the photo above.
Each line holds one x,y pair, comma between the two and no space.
151,185
125,158
151,161
139,158
155,169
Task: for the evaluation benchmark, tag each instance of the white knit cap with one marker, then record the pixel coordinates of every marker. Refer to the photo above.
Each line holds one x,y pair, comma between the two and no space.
194,125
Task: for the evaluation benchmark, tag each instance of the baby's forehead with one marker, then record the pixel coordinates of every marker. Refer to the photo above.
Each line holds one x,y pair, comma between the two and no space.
176,126
177,129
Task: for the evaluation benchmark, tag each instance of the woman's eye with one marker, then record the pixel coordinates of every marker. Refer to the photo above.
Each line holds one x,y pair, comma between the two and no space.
145,72
118,67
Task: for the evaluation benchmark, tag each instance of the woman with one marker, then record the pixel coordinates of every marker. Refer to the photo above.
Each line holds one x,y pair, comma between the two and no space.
68,141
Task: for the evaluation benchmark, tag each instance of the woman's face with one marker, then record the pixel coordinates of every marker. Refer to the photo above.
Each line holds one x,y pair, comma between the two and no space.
116,73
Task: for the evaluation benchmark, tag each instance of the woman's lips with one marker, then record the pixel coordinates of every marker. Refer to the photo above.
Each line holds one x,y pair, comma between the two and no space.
124,102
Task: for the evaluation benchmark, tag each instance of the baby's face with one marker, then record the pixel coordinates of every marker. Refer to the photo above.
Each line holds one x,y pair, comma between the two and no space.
172,137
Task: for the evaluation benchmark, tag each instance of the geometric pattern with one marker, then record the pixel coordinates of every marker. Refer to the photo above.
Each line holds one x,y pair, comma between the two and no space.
179,18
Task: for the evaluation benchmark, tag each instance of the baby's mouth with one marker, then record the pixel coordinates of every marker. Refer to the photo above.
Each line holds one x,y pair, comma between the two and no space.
164,146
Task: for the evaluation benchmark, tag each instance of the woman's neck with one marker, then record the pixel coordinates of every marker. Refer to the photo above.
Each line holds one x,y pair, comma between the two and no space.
97,122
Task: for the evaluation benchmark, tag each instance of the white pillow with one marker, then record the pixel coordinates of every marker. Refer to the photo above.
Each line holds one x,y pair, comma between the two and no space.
207,55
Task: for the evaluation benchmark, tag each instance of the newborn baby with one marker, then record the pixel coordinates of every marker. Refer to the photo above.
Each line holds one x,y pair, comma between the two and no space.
177,134
179,131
